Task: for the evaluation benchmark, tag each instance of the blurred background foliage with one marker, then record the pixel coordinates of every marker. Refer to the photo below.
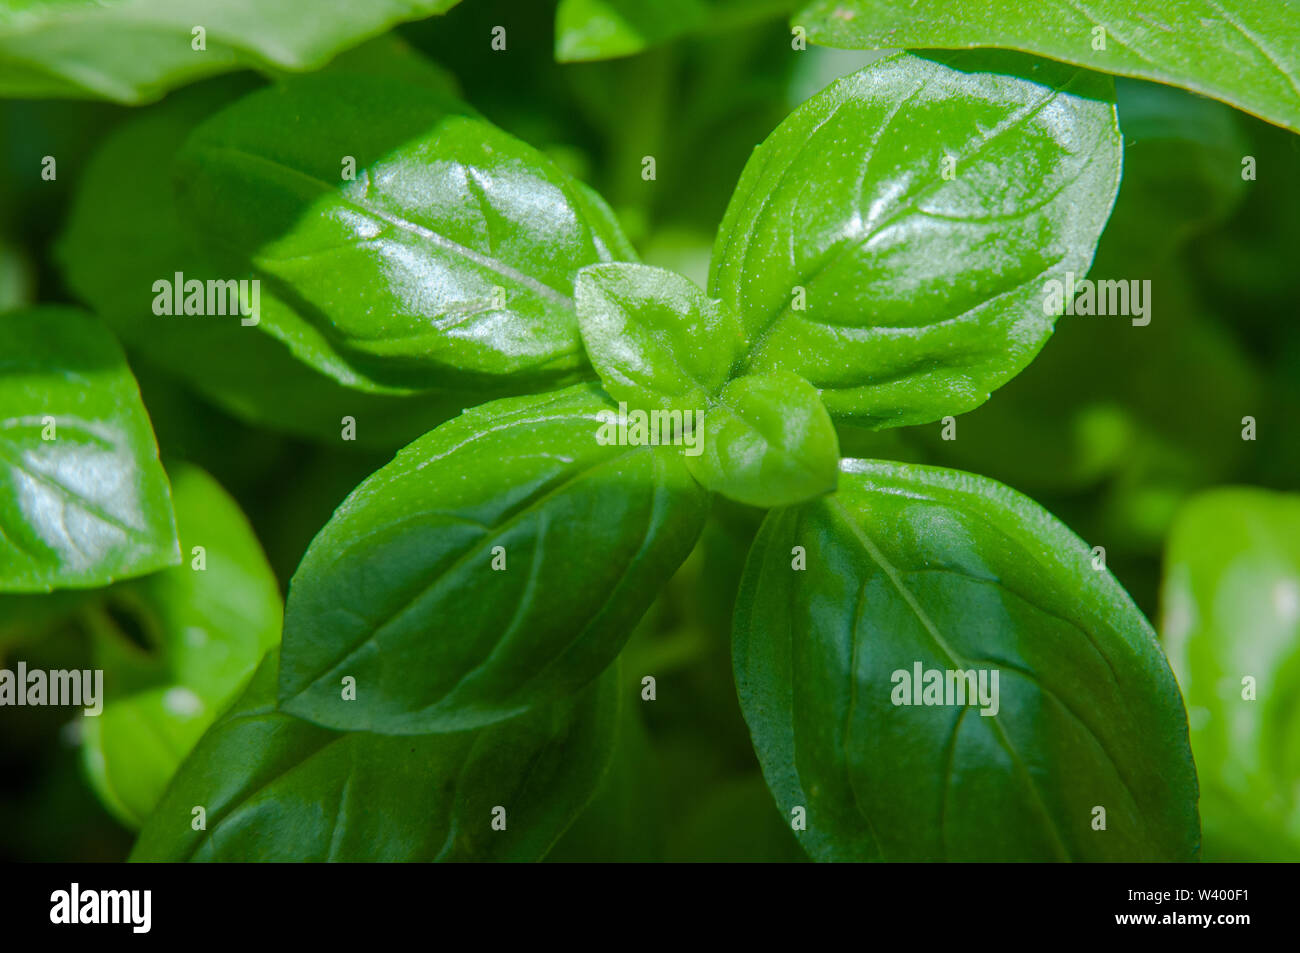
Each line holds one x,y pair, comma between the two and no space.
1114,428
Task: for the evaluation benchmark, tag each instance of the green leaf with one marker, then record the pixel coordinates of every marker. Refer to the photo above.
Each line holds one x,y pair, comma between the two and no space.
655,339
124,234
1231,624
133,51
911,566
497,563
903,286
767,441
275,788
83,499
1244,52
602,29
426,246
207,623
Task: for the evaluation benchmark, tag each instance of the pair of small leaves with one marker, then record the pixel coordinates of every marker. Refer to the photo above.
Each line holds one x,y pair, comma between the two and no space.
1243,52
305,793
1231,624
498,563
83,498
662,347
132,51
849,604
206,625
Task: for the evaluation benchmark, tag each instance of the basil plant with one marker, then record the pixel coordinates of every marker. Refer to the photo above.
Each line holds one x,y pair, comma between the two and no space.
929,664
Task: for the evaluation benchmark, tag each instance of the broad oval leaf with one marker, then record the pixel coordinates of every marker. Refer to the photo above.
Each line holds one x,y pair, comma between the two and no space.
133,51
1231,624
767,441
497,563
275,788
892,240
427,246
83,498
1244,52
208,623
911,568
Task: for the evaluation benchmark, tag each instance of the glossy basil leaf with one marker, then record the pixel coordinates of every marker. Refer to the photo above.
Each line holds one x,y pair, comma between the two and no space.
207,623
124,234
133,51
1231,625
1243,52
83,498
891,241
447,257
497,563
910,567
767,441
601,29
655,339
275,788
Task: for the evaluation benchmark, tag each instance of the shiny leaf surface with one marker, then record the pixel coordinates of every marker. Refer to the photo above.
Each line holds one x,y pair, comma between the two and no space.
497,563
83,499
915,568
892,240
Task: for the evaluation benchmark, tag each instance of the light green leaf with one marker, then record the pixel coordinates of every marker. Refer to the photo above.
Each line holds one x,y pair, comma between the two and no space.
275,788
1231,624
497,563
425,246
83,499
208,622
1244,52
655,339
133,51
912,567
892,240
768,441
